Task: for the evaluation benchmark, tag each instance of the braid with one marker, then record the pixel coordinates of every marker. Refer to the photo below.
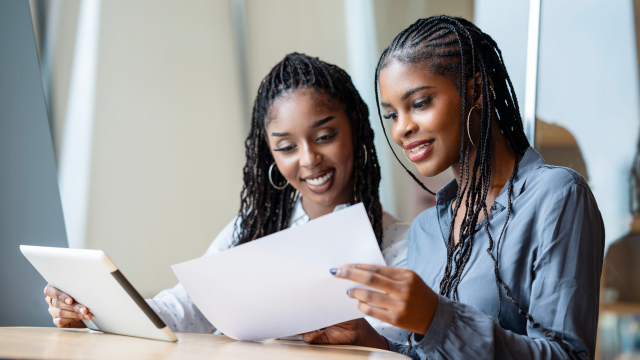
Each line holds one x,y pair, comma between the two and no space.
456,48
264,209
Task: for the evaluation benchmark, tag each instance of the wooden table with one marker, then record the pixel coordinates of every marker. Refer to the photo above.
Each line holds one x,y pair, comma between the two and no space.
53,343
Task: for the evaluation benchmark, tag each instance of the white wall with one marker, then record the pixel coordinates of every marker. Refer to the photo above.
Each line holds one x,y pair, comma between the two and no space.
168,147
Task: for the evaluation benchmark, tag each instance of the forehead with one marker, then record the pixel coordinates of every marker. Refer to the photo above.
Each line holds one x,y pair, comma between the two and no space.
398,77
302,105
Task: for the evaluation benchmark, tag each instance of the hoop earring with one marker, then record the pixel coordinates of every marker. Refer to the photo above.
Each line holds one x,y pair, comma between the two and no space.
365,155
469,130
405,155
271,181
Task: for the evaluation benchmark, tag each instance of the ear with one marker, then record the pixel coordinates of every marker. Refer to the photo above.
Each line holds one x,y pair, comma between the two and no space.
474,88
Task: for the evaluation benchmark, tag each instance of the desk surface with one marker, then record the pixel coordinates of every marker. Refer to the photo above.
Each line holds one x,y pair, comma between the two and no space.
53,343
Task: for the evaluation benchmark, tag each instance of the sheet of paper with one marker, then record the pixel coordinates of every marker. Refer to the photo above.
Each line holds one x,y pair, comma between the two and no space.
280,285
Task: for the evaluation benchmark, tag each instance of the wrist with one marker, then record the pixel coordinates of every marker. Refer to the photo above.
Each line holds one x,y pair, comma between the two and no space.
433,302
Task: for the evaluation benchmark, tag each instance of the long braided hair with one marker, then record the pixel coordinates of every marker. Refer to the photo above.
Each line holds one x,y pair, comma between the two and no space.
456,48
264,209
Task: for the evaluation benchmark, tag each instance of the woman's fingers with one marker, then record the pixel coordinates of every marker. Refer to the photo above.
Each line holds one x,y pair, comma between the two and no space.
373,297
378,313
59,313
365,277
387,271
54,293
311,336
79,308
68,323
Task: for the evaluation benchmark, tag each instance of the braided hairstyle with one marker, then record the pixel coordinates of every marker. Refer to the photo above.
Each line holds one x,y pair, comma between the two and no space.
264,209
456,48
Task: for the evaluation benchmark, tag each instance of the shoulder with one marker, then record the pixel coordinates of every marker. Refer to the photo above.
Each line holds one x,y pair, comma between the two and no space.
425,221
393,229
553,179
225,239
394,240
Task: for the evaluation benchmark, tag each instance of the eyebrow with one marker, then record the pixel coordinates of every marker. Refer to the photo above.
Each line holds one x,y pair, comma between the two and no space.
322,122
407,94
313,126
414,90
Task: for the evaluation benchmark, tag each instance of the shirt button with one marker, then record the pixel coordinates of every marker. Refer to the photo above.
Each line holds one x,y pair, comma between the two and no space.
493,207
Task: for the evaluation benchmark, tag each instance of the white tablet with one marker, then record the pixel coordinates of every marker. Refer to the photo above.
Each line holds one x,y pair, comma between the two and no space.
93,280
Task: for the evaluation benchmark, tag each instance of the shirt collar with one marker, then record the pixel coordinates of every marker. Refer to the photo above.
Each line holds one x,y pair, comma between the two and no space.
529,163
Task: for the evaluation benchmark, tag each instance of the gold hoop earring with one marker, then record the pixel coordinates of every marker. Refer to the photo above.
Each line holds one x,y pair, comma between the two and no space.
365,155
405,155
271,181
468,129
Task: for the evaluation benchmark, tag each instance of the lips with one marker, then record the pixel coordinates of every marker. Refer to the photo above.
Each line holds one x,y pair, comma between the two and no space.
321,181
419,149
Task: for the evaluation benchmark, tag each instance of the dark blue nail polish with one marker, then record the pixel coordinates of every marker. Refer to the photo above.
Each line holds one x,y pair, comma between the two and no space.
323,328
333,271
348,292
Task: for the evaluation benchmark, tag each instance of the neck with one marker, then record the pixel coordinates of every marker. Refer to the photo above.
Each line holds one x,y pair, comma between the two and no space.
502,159
315,210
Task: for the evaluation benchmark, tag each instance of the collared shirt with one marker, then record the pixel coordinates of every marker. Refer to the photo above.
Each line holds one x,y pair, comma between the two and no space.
550,257
177,310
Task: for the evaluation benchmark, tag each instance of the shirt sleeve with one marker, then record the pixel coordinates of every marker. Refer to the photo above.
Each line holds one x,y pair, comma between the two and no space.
564,295
174,306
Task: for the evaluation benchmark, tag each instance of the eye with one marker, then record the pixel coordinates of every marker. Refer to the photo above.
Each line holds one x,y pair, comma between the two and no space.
390,115
285,148
328,136
421,102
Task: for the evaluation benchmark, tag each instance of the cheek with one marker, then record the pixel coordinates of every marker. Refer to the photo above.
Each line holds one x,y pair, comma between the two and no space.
287,165
342,154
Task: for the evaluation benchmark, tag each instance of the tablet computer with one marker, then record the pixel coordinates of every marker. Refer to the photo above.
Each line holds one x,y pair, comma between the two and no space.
93,280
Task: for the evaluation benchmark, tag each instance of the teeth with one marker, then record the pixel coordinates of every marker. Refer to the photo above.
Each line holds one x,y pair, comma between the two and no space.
418,148
321,180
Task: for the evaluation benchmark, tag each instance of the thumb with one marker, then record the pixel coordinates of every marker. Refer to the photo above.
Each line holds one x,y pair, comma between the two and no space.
311,336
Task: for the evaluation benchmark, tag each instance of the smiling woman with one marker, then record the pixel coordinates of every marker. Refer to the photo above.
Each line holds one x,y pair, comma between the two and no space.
309,152
535,228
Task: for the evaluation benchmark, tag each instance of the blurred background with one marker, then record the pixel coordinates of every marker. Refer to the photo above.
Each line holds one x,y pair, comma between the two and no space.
149,105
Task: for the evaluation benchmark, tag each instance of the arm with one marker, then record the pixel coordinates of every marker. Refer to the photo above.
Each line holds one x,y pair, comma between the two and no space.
564,295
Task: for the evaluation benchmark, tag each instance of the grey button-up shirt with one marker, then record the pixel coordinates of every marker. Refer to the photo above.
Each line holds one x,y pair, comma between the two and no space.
550,257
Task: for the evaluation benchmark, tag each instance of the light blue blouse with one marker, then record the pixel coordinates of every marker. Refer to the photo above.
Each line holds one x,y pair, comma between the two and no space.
550,257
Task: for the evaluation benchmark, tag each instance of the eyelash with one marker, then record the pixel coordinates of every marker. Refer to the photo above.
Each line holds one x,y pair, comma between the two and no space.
422,102
415,105
321,138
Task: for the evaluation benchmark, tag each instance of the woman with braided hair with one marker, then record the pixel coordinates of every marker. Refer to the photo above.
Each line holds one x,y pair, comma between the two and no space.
507,264
309,152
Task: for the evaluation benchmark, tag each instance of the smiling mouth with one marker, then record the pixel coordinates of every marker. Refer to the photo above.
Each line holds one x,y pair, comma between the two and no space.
417,149
320,180
420,147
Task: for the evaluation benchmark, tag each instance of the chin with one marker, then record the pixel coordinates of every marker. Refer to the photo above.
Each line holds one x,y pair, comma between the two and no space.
430,168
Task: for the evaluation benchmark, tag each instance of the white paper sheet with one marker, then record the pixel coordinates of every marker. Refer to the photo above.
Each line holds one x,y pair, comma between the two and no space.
280,285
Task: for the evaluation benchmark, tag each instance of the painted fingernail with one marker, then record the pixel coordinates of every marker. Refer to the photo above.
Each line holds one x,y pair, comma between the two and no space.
333,271
323,328
348,292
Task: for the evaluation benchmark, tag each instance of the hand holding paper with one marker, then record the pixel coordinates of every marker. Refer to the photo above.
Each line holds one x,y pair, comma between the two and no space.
280,285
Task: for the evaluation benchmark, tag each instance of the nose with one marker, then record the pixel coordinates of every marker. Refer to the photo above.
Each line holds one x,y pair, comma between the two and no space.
404,127
310,157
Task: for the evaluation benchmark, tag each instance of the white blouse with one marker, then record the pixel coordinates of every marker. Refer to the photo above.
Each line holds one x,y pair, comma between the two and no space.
177,310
